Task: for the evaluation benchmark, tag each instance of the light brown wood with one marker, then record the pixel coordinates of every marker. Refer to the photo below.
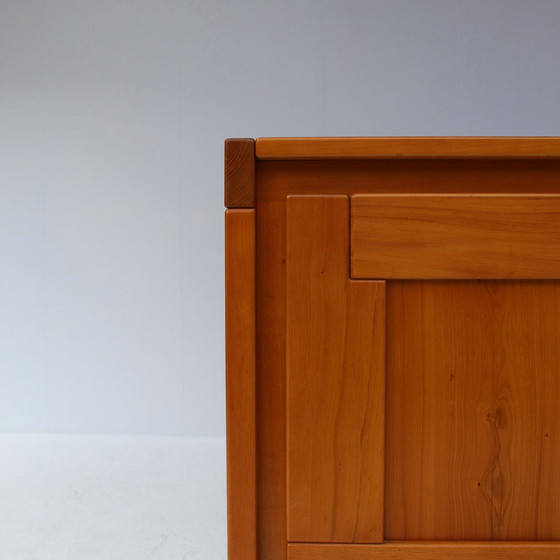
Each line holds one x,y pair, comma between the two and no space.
241,384
274,180
335,381
271,380
408,147
427,551
239,173
473,423
456,236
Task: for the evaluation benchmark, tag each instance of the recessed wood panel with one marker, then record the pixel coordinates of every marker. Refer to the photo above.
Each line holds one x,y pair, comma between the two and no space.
271,380
455,236
335,381
473,423
427,551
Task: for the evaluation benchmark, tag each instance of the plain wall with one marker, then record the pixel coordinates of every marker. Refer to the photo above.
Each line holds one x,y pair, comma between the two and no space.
112,120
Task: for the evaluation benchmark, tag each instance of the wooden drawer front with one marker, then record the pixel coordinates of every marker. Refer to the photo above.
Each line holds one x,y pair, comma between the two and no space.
455,236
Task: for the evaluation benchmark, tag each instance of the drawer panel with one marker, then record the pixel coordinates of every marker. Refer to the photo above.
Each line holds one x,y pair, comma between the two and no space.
404,236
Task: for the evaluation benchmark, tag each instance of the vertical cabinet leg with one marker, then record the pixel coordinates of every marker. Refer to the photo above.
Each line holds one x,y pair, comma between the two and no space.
240,384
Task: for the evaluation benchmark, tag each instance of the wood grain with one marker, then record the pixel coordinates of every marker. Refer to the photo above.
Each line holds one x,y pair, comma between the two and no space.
274,181
473,423
456,236
335,381
407,147
239,173
241,384
271,379
427,551
278,179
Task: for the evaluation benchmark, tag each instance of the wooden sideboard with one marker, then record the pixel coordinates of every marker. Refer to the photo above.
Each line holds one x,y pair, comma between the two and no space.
393,348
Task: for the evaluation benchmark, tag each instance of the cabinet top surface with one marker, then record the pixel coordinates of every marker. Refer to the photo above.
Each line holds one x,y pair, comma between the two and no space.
409,147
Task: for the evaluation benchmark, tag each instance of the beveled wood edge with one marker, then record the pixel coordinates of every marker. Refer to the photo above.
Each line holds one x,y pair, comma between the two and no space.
408,147
425,550
241,418
239,173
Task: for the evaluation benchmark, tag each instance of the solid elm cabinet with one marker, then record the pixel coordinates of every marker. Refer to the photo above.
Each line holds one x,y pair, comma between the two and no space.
393,348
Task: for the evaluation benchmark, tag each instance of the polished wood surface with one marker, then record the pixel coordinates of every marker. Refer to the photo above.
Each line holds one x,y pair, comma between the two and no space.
274,181
335,381
454,236
239,173
278,179
271,380
408,147
427,551
241,384
473,423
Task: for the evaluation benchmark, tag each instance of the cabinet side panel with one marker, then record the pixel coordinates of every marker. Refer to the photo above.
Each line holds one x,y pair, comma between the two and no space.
335,358
240,383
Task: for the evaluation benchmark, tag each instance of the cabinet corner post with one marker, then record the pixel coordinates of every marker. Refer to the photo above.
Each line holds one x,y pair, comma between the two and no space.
241,384
239,173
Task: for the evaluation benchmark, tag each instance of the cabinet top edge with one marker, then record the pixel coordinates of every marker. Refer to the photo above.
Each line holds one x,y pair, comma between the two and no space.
408,147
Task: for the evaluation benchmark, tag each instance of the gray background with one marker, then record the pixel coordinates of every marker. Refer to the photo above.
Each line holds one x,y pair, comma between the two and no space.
112,120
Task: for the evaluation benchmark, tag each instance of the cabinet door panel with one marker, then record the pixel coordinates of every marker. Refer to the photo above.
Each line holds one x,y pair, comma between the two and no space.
473,423
335,343
471,446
